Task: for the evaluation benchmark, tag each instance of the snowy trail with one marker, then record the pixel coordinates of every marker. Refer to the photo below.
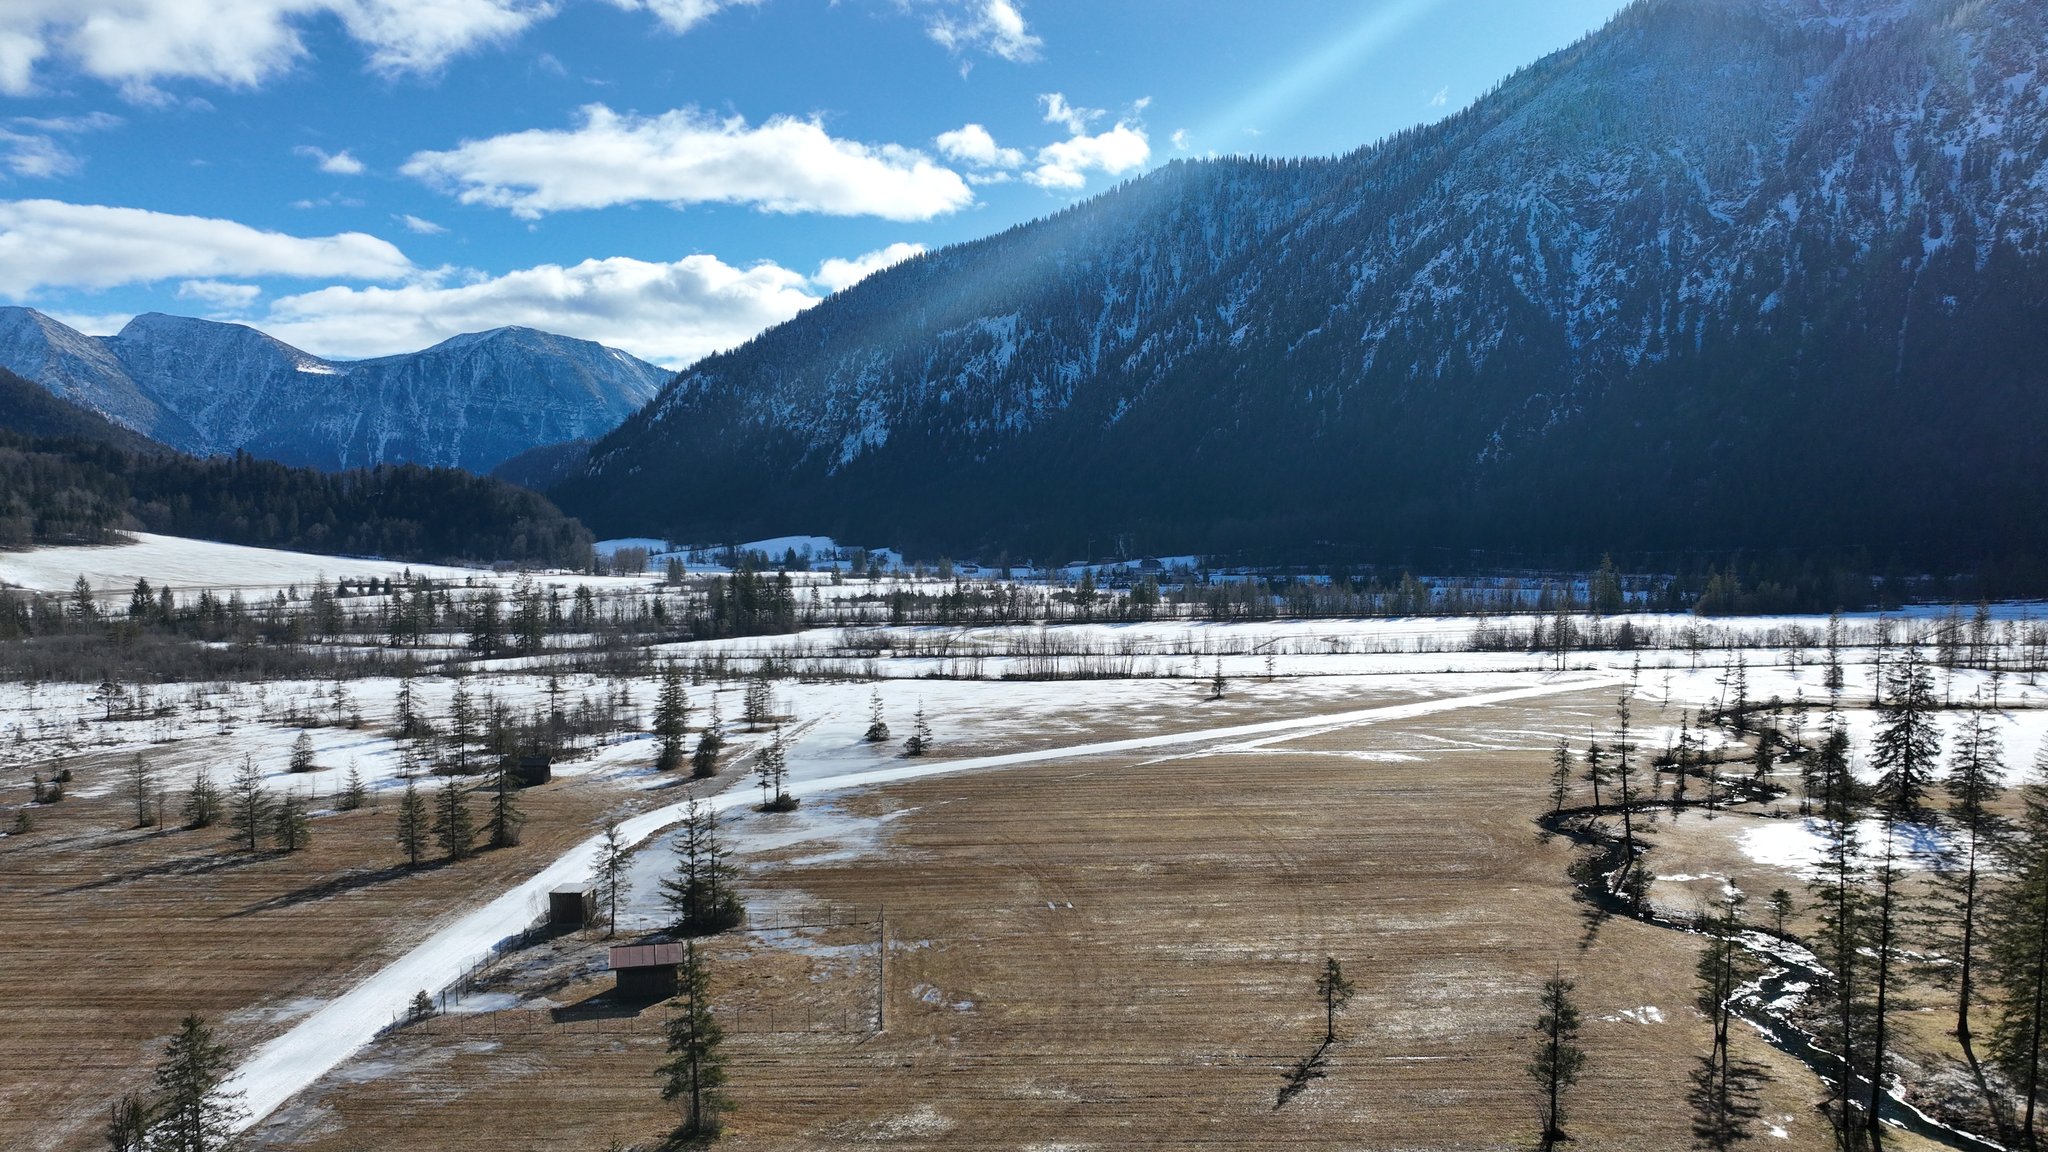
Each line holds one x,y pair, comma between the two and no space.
317,1044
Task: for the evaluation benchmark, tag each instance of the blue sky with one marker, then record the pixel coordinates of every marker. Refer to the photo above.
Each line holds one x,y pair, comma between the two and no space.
362,177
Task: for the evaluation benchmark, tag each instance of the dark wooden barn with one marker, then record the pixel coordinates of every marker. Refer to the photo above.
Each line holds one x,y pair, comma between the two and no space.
531,770
645,971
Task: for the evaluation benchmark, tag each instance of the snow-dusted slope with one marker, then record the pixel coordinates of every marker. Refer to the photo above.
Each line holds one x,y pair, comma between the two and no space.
206,387
1652,267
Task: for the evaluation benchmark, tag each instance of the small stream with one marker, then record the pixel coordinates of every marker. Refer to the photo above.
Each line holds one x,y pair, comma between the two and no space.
1759,1003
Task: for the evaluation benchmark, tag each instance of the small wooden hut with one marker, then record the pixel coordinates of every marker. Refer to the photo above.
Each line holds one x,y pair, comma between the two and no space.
645,971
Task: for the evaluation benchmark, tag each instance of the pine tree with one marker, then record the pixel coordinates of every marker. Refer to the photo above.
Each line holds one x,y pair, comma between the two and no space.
292,829
1216,682
2018,956
1558,1059
1781,906
461,728
1624,780
454,827
203,803
194,1113
700,894
413,824
614,879
142,791
878,728
671,717
1560,775
248,805
1960,887
759,701
695,1071
1844,941
1832,678
406,713
1335,992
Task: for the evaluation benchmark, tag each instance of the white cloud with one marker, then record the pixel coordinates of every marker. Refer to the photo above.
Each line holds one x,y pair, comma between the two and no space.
1181,140
220,295
1064,166
237,43
52,244
92,323
669,313
686,157
1442,98
29,145
972,144
836,275
996,27
1058,111
339,163
681,15
418,226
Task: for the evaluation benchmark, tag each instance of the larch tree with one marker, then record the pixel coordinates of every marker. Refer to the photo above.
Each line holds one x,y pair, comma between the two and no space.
772,770
414,824
142,791
292,828
501,829
1560,775
710,742
1335,992
454,827
2018,955
302,753
614,873
1961,883
1558,1059
694,1075
248,805
1597,772
1724,1090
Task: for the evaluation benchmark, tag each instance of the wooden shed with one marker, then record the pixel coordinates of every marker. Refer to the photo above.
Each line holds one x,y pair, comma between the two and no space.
572,906
532,770
645,971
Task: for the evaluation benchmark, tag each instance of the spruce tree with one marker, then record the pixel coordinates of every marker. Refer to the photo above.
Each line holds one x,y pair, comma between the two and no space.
413,824
454,827
772,770
1560,775
1596,769
1907,742
700,894
1558,1059
353,791
614,879
302,753
704,761
194,1113
292,829
695,1071
671,717
878,728
248,805
920,741
128,1124
203,803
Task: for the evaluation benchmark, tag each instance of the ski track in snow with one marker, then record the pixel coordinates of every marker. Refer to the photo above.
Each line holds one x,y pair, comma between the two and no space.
292,1062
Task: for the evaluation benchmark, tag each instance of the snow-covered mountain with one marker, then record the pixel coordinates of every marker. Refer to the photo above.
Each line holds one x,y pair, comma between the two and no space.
205,388
1727,273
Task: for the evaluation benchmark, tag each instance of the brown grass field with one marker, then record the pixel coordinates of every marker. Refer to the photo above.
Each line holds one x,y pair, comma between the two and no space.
1106,953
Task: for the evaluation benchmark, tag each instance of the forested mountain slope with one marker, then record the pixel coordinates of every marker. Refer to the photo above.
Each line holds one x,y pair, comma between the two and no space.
210,388
1726,274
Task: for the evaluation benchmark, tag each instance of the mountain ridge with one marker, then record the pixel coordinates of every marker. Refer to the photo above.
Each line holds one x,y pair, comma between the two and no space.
1637,269
209,387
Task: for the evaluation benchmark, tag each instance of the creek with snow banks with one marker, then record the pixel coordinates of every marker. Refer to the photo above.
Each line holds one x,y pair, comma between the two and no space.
320,1042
